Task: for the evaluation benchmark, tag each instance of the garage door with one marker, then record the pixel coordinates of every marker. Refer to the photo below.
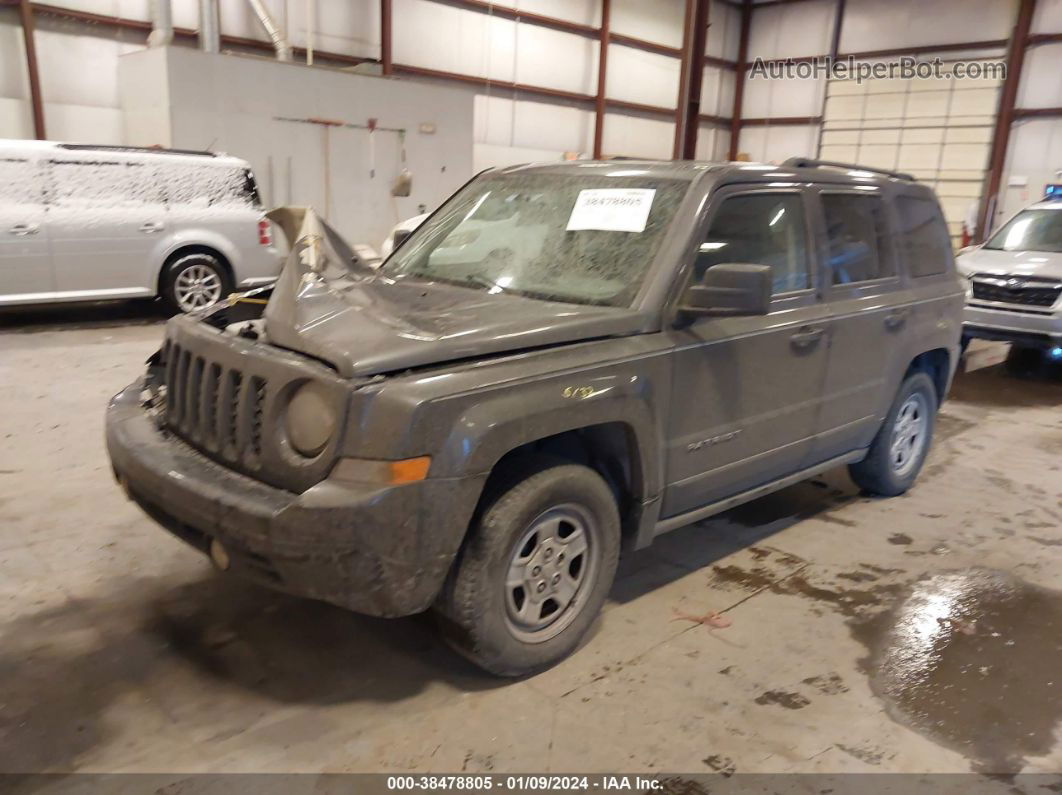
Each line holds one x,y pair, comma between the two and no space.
939,129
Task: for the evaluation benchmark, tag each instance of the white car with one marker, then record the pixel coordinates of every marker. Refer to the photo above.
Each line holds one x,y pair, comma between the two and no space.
1014,281
400,233
82,222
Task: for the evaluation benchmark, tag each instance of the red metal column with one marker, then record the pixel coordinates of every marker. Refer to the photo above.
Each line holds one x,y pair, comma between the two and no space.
602,70
688,110
385,36
739,78
25,11
1019,41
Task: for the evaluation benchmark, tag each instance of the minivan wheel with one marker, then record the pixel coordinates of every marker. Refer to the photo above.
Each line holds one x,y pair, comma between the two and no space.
898,451
534,571
195,281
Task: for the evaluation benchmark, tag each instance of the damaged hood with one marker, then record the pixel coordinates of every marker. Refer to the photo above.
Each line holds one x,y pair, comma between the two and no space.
362,323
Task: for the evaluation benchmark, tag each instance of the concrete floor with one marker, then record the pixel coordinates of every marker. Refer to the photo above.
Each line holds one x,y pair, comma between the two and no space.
912,634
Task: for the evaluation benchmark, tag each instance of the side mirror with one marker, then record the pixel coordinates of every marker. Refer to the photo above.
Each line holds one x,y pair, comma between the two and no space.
399,238
730,289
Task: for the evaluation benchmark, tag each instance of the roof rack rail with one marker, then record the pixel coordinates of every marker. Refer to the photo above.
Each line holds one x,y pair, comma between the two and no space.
808,162
156,150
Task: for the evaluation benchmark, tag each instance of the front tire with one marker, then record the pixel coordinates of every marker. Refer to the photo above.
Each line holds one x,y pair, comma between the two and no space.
194,282
536,568
898,451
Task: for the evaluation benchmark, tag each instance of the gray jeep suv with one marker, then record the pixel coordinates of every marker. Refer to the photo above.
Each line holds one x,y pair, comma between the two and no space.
563,360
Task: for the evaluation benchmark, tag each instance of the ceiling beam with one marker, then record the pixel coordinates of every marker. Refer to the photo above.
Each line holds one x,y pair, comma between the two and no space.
25,12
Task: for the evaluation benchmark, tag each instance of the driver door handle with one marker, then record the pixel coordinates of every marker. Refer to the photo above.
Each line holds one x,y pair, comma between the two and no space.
895,319
806,336
150,227
21,230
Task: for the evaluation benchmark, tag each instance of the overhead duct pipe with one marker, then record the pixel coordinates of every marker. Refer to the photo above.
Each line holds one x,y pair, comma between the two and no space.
161,23
209,36
276,35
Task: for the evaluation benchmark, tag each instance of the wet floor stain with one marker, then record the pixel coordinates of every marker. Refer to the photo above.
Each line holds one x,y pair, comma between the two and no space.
900,538
828,684
721,764
971,659
783,699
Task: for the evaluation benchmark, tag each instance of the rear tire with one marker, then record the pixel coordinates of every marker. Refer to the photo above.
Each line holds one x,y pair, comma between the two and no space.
534,572
898,451
194,282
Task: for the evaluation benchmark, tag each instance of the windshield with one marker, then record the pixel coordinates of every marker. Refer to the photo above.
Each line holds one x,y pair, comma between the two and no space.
1030,230
574,237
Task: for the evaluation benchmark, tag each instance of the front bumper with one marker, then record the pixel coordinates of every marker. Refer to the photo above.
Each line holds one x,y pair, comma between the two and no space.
1035,329
383,551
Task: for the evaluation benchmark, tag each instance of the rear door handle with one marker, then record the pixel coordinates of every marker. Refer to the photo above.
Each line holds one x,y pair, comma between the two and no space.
21,230
150,227
896,319
806,336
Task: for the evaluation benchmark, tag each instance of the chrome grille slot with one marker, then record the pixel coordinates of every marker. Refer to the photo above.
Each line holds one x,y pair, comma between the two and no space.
194,400
210,406
257,399
233,390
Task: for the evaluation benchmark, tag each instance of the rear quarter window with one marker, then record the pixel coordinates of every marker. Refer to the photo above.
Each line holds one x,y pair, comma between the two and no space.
209,186
924,240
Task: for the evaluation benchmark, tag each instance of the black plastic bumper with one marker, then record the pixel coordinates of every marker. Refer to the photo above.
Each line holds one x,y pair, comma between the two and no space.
383,551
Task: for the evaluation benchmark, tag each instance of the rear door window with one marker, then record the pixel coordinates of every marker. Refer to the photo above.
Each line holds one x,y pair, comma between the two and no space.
923,236
202,186
857,238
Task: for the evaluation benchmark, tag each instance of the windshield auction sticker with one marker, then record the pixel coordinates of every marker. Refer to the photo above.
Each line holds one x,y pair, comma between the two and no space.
612,209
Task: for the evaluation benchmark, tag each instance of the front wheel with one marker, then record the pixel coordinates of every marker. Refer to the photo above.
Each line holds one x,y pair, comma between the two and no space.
534,572
898,451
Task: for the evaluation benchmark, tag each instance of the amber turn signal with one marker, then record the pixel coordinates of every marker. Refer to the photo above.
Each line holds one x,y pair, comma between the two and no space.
362,470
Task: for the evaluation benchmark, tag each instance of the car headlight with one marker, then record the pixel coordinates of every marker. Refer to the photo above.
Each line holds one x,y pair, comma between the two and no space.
310,420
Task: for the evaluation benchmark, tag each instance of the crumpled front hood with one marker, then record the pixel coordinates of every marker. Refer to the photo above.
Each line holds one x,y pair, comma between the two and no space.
363,323
1045,264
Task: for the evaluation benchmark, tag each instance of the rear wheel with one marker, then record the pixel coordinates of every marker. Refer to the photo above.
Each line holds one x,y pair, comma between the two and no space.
535,571
195,281
898,451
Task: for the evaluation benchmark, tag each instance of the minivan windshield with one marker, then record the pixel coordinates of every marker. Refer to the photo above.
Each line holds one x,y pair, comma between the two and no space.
574,237
1030,230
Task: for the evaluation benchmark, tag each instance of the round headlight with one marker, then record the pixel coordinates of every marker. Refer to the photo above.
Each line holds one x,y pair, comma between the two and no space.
310,420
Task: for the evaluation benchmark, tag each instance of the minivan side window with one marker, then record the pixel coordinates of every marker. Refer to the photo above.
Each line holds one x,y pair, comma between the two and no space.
923,236
103,184
856,235
761,229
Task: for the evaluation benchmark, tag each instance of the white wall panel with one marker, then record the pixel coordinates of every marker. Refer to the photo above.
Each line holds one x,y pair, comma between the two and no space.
130,9
792,30
1041,78
724,31
656,20
1048,17
768,98
12,57
635,136
441,37
775,144
16,118
585,12
874,25
712,142
640,76
717,91
79,69
549,58
502,121
83,123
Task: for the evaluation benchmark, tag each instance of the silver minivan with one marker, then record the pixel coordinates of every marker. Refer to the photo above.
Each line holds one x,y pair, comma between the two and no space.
85,223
